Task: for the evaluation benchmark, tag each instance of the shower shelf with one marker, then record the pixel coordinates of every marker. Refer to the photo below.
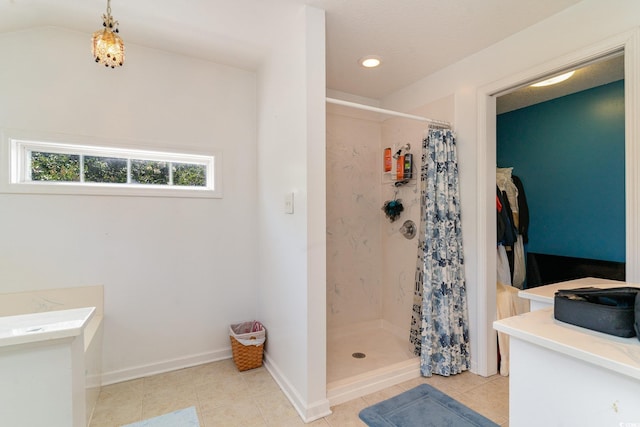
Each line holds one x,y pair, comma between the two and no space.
388,178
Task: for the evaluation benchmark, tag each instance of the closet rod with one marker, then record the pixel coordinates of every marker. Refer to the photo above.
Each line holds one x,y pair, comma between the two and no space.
388,112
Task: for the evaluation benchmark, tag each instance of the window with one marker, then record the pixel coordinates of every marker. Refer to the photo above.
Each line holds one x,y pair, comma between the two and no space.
54,167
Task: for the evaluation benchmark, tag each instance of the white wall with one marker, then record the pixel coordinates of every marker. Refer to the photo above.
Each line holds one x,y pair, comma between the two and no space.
176,271
292,248
586,24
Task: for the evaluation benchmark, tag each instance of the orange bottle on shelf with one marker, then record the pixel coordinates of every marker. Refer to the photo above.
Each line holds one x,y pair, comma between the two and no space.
400,168
387,159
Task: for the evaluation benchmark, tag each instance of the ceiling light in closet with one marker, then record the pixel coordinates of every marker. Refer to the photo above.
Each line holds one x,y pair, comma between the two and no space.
370,61
554,80
107,46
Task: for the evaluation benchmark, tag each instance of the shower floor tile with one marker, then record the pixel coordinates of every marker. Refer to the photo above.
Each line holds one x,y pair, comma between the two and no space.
381,348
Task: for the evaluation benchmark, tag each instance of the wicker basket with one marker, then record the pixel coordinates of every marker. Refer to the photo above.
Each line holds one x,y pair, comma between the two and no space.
245,355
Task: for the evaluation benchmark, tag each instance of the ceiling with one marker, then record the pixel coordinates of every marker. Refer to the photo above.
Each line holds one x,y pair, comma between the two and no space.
600,72
414,38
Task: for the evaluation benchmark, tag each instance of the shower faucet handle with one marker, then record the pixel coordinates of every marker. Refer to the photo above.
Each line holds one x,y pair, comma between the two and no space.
408,229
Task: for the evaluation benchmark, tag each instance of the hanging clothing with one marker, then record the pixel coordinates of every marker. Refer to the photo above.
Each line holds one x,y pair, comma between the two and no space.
439,325
506,185
508,304
507,232
523,210
503,273
512,223
519,267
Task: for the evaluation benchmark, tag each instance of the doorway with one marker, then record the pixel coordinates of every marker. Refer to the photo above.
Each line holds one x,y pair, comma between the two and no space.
487,109
563,143
560,158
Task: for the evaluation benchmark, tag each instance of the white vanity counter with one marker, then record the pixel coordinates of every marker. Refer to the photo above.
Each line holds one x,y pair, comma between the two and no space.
50,317
42,366
621,355
50,325
574,375
542,296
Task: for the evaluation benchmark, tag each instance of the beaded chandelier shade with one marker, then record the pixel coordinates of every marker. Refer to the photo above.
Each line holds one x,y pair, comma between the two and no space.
107,46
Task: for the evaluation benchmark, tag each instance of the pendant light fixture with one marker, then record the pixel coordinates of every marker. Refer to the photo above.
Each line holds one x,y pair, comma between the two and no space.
107,46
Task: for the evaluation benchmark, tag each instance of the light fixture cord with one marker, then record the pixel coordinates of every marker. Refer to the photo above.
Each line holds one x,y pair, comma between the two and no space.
110,23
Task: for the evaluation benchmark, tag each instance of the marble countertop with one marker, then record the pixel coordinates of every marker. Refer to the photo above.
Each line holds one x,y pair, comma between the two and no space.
545,293
621,355
49,325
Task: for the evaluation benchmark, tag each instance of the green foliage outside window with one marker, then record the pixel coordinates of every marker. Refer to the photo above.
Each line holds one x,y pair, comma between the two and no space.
105,169
113,170
187,174
149,172
55,167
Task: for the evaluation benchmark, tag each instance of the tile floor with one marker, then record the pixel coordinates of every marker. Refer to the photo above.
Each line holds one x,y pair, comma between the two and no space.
223,396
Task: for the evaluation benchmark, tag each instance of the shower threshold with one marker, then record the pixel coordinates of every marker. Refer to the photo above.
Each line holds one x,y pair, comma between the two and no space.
369,382
365,358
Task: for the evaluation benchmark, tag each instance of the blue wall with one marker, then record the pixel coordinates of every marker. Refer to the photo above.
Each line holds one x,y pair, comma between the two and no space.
569,153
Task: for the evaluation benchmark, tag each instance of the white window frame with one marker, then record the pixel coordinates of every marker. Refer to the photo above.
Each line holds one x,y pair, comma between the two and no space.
15,173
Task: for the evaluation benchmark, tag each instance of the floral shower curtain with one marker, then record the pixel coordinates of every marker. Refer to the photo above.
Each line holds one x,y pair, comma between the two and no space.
439,324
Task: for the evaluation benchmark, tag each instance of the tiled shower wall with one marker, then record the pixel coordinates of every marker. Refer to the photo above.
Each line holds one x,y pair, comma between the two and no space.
353,218
399,253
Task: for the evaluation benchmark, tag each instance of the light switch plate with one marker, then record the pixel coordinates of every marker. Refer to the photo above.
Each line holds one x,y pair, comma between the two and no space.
288,203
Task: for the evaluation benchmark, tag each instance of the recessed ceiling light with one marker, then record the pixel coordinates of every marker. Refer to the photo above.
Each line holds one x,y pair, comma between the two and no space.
370,61
554,80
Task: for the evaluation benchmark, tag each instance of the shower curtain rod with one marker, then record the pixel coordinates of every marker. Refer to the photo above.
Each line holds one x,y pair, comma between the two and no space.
387,112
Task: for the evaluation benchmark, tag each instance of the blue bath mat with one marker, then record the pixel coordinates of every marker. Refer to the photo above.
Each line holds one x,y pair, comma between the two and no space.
180,418
422,406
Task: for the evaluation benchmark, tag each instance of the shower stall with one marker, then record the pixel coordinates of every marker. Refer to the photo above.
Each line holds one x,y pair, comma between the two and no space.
370,263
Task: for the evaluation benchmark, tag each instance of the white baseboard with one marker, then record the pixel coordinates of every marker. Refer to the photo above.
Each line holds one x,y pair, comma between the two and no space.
308,411
164,366
473,367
